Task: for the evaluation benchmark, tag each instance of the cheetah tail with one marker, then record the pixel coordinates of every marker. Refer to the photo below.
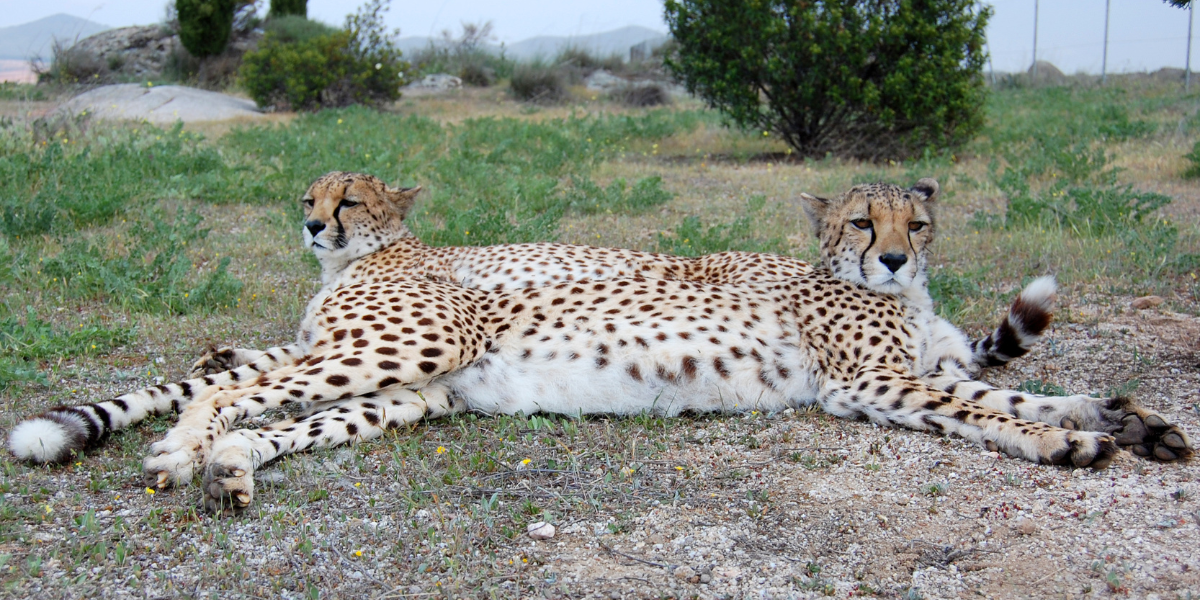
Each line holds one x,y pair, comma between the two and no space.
1027,318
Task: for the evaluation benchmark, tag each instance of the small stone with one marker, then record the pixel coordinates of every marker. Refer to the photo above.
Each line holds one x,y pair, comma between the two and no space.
684,573
706,578
1024,527
1146,302
540,530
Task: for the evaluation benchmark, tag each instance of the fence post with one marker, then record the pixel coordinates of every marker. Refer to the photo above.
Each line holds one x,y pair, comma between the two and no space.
1104,61
1035,24
1187,68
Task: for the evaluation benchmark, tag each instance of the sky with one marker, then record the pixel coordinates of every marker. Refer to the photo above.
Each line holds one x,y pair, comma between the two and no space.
1143,34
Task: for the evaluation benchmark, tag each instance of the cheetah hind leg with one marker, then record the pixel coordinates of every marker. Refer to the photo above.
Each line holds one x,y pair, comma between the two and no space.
1145,432
228,358
229,477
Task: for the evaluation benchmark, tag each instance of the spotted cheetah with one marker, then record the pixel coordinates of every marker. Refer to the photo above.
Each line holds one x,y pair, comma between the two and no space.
386,352
355,224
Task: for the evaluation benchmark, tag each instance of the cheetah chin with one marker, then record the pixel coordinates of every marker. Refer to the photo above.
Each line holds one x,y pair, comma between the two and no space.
401,332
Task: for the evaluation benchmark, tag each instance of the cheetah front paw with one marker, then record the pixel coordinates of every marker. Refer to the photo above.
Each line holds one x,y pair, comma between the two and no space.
215,361
1145,432
173,460
1082,449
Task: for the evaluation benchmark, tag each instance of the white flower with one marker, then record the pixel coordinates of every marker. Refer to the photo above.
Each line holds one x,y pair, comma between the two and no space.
378,66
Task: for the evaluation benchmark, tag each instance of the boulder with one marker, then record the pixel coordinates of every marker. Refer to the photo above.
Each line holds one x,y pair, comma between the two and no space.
437,82
161,105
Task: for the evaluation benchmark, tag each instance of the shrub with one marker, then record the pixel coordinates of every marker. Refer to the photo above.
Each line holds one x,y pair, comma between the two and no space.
285,8
866,79
292,28
641,95
359,65
1193,158
537,83
71,65
475,73
205,25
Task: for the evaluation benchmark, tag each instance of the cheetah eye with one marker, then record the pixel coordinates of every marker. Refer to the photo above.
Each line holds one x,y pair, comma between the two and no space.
307,202
347,204
862,223
916,226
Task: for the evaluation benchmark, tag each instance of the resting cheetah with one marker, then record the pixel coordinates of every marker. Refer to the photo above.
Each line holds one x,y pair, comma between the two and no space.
355,225
379,354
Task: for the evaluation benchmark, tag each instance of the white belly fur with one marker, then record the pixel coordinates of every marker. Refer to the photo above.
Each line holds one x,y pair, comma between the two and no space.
549,381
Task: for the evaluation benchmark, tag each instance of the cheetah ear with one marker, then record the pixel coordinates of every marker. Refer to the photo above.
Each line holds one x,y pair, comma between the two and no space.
927,187
403,198
815,208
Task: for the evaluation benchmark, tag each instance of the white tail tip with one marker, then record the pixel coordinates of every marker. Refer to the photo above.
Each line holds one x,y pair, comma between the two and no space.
1040,291
42,440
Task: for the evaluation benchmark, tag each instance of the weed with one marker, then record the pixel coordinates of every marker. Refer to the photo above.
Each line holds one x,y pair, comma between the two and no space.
1042,388
588,198
935,489
691,238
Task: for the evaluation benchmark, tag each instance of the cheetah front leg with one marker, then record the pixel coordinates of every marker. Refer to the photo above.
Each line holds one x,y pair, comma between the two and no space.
184,449
891,397
229,476
1143,431
63,432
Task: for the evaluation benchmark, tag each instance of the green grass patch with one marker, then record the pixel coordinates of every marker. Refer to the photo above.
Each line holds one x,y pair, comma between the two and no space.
25,342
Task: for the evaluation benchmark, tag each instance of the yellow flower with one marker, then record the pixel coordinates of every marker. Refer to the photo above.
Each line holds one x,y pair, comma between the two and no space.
339,121
150,491
678,468
48,509
441,450
357,484
526,461
358,552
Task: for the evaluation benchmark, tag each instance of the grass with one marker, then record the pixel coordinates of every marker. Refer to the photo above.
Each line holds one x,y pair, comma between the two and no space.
126,249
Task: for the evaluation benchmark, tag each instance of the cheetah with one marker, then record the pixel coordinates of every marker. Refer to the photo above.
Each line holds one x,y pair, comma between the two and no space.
355,224
386,352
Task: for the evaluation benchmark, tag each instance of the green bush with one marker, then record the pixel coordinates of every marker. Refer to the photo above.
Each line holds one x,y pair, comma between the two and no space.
292,28
878,79
205,25
538,83
358,65
284,8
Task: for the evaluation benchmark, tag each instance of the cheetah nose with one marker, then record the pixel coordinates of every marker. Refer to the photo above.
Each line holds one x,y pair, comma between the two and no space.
893,261
314,227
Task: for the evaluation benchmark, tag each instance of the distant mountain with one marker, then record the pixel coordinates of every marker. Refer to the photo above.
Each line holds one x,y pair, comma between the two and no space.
28,40
616,41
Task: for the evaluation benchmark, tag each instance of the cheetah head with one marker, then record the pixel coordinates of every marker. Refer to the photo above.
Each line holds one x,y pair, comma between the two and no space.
350,215
877,235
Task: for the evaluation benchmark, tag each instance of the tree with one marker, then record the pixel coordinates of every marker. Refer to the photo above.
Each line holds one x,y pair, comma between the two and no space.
282,8
205,25
863,78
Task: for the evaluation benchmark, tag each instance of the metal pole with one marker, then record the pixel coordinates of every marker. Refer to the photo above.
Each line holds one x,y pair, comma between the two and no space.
1035,20
1104,62
1187,69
